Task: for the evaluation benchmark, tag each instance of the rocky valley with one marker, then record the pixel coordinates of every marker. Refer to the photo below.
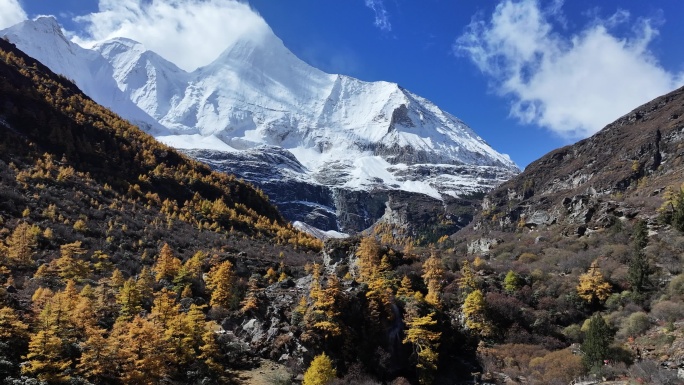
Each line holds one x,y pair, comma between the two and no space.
257,224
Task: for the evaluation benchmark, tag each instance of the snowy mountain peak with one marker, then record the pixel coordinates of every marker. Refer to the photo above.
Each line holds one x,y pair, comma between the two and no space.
344,133
44,24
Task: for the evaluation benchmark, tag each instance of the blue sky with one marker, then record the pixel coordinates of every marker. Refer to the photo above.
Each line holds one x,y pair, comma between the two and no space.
527,75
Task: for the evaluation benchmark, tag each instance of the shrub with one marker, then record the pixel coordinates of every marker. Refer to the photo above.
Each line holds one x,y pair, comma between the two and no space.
559,367
668,311
635,325
675,289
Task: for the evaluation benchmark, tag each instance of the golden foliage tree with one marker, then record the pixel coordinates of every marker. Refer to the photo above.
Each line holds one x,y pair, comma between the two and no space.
324,313
143,352
22,243
210,352
592,286
474,312
368,257
68,265
320,371
167,265
164,308
467,282
251,300
433,274
44,359
129,300
405,289
220,281
98,359
422,334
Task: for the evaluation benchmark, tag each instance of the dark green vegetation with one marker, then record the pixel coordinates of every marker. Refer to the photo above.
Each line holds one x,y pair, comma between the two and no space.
122,261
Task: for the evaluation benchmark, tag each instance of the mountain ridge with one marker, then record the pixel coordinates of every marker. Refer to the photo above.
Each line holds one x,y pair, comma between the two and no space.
346,133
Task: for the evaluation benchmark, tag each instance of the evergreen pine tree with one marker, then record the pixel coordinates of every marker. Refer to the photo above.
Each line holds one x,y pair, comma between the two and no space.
596,342
639,267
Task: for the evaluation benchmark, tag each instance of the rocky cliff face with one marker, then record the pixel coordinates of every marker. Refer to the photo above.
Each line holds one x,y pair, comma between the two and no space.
619,173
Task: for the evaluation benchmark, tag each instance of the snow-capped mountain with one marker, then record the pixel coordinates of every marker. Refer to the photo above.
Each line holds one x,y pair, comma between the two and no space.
308,138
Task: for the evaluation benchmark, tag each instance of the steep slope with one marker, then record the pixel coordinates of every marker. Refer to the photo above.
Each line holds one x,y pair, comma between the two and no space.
256,100
620,172
595,228
111,241
124,262
55,139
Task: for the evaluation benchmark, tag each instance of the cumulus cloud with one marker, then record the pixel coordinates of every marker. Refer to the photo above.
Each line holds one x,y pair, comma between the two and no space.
189,33
381,15
573,85
11,13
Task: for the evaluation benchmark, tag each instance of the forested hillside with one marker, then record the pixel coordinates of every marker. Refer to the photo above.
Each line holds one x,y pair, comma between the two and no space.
124,262
114,247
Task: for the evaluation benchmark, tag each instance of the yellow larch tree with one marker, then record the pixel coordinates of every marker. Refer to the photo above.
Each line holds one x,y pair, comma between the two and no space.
475,313
422,334
44,359
167,265
220,281
22,243
433,274
320,371
592,286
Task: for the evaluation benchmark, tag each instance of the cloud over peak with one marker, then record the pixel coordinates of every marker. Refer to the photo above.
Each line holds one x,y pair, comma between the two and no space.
11,13
572,85
189,33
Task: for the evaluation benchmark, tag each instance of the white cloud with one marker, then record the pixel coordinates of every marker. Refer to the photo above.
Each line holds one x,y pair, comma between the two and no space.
189,33
381,16
11,13
572,85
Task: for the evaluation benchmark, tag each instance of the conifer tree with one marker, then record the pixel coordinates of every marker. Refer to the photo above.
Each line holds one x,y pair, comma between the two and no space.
164,308
13,339
22,243
405,289
191,271
511,281
44,359
433,274
117,279
96,362
129,300
145,285
324,313
475,313
251,300
68,265
467,282
596,343
167,265
368,257
220,281
422,335
83,315
320,371
592,287
211,353
639,268
143,352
